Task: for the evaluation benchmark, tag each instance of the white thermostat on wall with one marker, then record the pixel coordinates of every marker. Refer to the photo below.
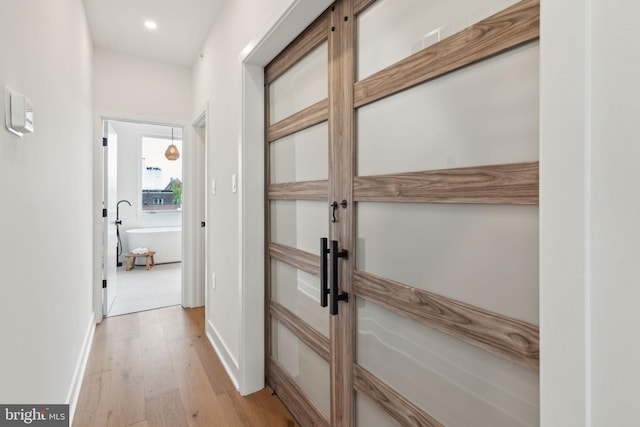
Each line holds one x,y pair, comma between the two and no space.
18,113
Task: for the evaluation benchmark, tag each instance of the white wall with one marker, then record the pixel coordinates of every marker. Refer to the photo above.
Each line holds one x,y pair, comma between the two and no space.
615,207
131,88
563,215
217,79
140,88
590,80
46,228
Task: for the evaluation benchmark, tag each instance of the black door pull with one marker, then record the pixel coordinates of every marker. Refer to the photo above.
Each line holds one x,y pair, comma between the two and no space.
335,293
324,288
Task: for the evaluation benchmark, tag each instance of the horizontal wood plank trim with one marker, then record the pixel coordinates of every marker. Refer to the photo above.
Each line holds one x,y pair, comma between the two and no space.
310,116
394,404
296,401
511,339
308,190
360,5
301,329
311,38
515,183
513,26
305,261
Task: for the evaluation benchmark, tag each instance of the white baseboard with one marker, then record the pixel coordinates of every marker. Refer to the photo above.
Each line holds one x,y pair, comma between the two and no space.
230,363
81,366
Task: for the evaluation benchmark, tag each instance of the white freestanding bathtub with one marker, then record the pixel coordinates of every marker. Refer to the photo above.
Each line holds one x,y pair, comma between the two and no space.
165,241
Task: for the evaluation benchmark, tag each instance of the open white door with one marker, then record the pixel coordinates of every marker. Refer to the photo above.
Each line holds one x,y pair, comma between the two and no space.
200,290
110,240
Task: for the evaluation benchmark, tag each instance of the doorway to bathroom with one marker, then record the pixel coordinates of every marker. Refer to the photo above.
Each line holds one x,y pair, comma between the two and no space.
143,216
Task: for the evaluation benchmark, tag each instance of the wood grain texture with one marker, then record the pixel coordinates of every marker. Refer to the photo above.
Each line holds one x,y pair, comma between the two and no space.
302,330
213,367
265,409
312,37
360,5
198,398
307,190
294,398
310,116
166,410
122,391
515,183
512,27
508,338
342,155
302,260
394,404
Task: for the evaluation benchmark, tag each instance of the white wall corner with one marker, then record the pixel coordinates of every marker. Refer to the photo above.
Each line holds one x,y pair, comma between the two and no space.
81,365
564,213
251,208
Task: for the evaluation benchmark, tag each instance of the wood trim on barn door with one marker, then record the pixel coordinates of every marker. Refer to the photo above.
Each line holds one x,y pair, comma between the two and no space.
399,408
310,116
310,38
509,184
309,190
341,172
305,412
514,26
508,338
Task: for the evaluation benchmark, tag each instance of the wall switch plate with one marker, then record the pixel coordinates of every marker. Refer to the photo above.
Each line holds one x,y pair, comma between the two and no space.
213,280
213,186
18,113
234,183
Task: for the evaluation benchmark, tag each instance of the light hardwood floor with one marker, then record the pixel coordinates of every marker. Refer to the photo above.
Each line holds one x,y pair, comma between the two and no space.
157,368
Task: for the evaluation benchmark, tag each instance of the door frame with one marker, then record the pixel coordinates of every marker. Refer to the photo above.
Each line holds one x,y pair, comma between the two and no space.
109,271
188,286
200,199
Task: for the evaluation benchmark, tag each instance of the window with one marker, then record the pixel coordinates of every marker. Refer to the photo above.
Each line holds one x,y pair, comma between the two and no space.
160,179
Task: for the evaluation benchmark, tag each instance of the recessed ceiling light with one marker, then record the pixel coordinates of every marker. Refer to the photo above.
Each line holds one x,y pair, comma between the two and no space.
150,25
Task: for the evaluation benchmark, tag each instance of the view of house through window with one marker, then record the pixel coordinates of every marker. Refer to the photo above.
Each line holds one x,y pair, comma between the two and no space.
161,179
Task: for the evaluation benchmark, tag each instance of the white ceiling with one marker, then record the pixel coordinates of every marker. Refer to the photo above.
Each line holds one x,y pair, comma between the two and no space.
183,26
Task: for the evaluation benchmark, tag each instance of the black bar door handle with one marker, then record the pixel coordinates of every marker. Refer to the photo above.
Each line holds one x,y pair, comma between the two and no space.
336,295
324,287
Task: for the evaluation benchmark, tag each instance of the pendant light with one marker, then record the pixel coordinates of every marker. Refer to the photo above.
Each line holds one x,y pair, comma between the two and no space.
172,152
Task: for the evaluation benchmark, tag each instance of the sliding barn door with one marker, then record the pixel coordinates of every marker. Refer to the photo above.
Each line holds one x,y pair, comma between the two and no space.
298,357
409,140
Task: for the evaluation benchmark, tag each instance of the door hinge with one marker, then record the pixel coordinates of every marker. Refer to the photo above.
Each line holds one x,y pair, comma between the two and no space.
105,141
104,212
104,283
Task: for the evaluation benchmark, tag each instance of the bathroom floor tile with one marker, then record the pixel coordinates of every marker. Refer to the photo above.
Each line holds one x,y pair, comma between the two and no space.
141,289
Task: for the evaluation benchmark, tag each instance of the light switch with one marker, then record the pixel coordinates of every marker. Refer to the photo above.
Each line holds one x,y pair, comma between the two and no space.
18,113
234,183
213,186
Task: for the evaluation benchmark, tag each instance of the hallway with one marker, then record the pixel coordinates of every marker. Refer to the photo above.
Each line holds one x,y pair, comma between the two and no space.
157,368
